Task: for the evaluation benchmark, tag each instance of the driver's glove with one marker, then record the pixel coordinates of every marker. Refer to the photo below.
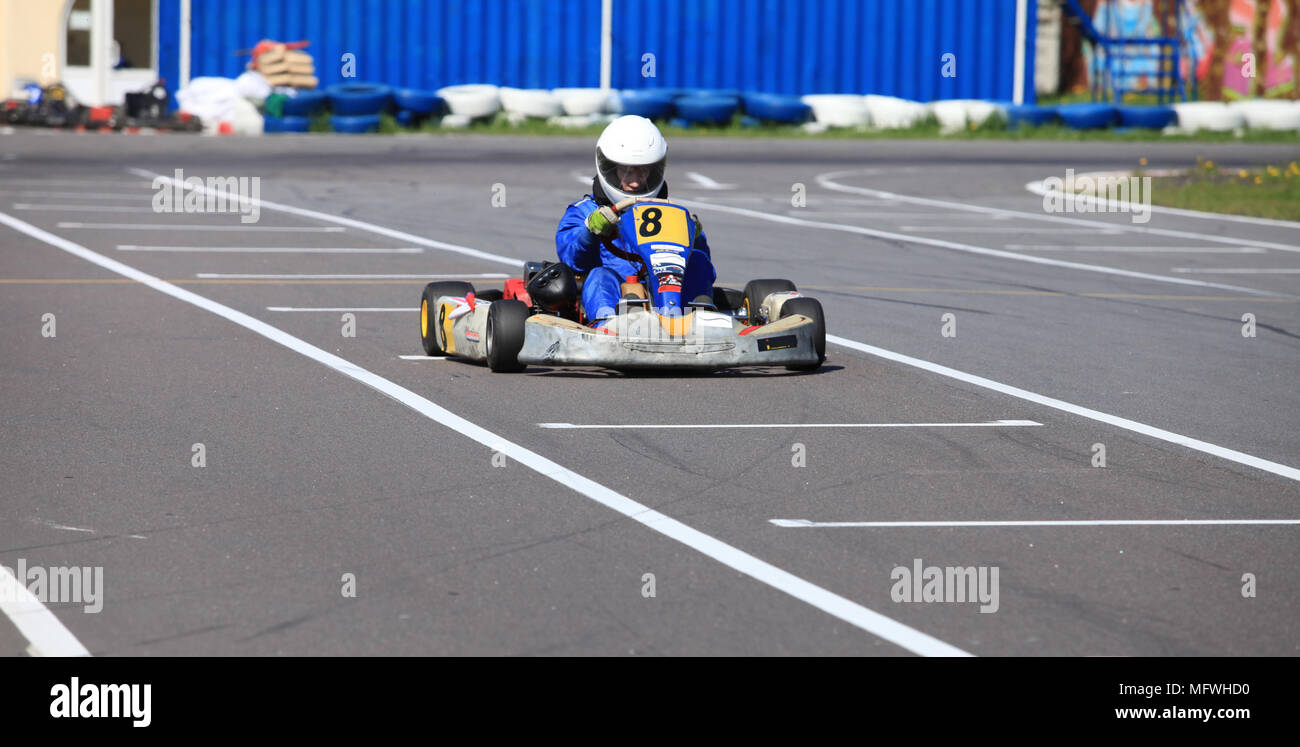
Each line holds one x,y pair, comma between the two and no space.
603,222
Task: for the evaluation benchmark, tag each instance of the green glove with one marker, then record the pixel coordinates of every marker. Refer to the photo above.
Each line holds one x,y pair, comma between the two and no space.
603,222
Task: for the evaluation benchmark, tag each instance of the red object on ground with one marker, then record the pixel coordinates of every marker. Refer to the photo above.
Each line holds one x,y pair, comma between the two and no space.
101,113
226,128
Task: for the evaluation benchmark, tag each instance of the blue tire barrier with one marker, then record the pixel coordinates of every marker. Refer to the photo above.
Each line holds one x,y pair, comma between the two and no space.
771,107
305,104
1151,117
679,122
722,93
286,124
1087,116
415,100
406,117
355,124
1030,115
714,110
353,99
650,103
748,121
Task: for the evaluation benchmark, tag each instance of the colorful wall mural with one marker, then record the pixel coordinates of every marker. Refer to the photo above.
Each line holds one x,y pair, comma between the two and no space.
1219,35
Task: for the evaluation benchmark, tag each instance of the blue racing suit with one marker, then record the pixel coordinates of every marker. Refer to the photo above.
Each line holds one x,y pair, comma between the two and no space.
584,251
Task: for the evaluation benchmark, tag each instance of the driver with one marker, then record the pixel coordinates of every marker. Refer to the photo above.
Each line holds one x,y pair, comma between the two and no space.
630,158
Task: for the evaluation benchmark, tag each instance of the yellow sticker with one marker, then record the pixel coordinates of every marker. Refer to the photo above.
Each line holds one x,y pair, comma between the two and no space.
661,223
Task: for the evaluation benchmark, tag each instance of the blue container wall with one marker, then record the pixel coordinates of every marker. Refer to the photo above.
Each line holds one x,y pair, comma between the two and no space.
892,47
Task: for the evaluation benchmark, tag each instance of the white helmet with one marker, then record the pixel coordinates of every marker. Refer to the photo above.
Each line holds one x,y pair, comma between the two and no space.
630,141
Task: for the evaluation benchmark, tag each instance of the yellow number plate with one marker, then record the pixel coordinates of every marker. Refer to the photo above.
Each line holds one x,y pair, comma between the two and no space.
661,223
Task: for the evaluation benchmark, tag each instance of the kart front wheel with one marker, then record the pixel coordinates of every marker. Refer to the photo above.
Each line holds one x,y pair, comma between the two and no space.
758,290
811,308
431,314
505,335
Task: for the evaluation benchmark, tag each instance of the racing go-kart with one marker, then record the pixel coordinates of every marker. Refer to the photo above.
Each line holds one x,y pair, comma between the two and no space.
538,319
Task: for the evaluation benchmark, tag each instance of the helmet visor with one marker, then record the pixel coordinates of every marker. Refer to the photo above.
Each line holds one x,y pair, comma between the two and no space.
634,180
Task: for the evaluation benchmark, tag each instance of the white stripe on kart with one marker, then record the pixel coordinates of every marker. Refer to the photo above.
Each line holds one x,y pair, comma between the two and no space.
833,604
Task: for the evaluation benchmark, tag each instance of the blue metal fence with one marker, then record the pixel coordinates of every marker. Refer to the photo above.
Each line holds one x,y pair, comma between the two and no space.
892,47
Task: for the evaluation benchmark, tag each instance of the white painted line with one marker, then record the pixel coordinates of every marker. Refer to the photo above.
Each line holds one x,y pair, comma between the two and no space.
833,604
970,248
47,636
1084,523
84,208
1240,270
1003,229
1129,425
827,181
272,249
79,195
423,357
990,424
1138,249
1040,189
117,184
185,227
62,527
705,182
410,276
349,222
342,308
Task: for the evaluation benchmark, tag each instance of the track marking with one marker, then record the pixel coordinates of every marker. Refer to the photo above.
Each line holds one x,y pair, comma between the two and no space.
990,424
89,183
1003,229
1040,189
1062,294
705,182
1241,270
1138,249
46,635
412,276
80,195
833,604
83,208
343,308
970,248
1129,425
801,523
349,222
187,227
423,357
273,249
827,180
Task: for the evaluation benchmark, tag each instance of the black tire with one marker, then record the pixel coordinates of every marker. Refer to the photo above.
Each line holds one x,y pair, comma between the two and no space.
728,299
811,308
505,335
430,314
757,290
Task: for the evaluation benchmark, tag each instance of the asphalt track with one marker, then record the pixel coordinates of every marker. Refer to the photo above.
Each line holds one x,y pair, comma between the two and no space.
317,467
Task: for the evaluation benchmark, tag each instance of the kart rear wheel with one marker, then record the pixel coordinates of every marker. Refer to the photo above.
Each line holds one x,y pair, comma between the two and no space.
811,308
505,335
431,314
757,290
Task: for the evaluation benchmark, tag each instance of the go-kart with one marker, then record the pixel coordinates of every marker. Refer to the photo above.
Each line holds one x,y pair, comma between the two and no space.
538,319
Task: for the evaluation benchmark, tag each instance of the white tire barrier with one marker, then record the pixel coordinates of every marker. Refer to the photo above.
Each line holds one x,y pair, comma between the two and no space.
530,102
1208,115
473,100
889,112
838,110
